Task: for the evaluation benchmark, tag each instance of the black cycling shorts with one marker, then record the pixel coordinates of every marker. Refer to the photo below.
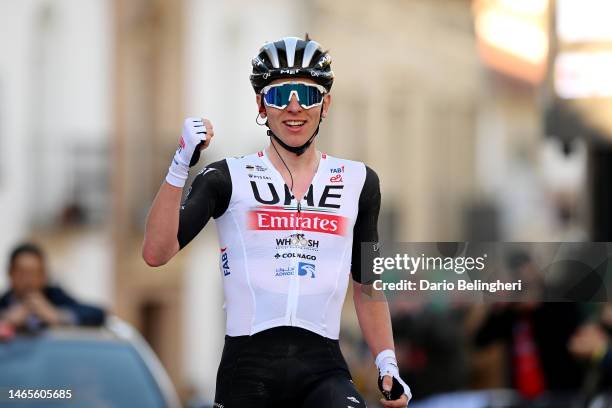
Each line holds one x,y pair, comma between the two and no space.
284,367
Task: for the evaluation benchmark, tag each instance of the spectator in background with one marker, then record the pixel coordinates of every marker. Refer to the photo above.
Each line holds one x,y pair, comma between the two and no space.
592,342
431,350
536,334
31,303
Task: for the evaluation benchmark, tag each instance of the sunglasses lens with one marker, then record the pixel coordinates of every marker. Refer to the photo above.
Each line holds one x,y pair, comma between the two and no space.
279,96
313,96
274,98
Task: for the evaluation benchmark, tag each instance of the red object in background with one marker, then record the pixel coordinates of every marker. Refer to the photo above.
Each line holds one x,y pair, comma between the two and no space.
7,331
528,374
417,360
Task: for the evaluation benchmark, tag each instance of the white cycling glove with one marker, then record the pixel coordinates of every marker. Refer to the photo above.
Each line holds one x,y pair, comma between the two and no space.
387,365
188,153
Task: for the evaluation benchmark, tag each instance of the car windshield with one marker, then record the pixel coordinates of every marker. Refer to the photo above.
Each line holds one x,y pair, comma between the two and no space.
98,373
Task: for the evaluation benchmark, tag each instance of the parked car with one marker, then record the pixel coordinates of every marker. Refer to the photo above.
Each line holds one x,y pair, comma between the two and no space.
106,367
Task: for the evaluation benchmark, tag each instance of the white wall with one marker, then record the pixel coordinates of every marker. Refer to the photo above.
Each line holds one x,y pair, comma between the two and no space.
71,74
14,121
55,66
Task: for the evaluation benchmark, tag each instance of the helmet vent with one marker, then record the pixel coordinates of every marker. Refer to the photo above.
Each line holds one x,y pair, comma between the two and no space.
272,54
290,43
309,51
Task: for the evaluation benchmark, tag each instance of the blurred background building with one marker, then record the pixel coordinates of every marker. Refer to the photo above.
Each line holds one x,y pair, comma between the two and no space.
485,119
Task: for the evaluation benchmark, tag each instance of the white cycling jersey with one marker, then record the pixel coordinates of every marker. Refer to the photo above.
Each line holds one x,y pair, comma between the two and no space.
284,262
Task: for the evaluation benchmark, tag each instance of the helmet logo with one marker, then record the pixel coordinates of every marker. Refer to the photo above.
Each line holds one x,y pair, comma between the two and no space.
325,60
257,61
289,71
266,75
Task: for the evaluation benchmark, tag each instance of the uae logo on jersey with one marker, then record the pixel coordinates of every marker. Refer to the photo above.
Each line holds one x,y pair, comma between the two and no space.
279,211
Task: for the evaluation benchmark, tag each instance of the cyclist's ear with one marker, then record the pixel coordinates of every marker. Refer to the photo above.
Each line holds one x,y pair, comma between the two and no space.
325,105
261,107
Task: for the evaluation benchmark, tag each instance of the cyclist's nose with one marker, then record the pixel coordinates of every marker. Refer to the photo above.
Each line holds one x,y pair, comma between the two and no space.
294,104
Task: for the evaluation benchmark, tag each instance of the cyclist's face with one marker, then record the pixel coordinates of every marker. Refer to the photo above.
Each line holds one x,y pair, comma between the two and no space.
294,124
27,274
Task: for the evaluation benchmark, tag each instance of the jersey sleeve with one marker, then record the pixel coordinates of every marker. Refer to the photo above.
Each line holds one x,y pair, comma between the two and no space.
208,196
366,228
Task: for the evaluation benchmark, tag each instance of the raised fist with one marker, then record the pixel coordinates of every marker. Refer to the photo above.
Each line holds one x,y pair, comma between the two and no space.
196,136
192,139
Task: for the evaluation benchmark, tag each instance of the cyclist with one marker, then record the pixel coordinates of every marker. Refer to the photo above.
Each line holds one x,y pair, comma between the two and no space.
290,221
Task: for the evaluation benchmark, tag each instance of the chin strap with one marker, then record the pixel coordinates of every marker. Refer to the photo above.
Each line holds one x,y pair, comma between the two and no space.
298,150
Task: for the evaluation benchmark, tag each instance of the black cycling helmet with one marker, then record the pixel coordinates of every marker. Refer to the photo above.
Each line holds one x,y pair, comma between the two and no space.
291,57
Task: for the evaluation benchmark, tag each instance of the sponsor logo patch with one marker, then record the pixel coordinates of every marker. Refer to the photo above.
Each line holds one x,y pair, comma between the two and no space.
306,269
295,255
225,262
259,177
303,269
285,271
297,241
306,221
257,167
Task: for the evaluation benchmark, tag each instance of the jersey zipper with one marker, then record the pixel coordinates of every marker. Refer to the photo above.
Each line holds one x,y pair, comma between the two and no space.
296,277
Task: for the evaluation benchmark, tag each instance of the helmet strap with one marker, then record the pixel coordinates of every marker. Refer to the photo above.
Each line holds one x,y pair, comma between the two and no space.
298,150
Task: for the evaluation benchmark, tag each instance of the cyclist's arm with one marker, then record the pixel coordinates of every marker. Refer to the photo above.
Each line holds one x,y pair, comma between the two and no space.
171,226
160,242
371,306
374,318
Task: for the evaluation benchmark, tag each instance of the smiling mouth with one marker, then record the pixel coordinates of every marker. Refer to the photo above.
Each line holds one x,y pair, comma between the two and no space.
294,124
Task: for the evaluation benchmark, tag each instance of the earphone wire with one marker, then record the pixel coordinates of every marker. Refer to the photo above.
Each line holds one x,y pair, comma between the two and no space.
287,167
276,150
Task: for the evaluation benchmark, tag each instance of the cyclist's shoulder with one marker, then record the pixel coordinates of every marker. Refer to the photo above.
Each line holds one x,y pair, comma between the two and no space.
246,158
213,172
224,163
215,167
